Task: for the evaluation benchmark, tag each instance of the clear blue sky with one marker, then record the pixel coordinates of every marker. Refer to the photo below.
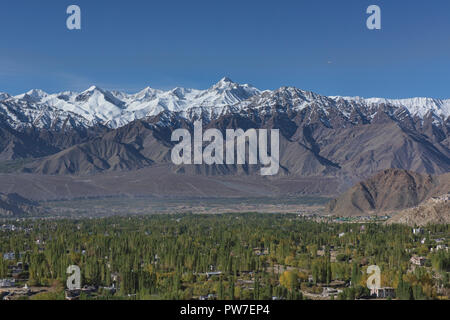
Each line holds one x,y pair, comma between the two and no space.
319,45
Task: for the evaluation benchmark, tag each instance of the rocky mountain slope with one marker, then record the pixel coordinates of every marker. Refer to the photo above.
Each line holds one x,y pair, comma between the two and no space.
14,205
115,109
309,145
346,139
433,211
387,191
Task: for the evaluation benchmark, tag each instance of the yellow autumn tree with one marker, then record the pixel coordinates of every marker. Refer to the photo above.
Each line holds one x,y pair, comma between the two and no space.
289,280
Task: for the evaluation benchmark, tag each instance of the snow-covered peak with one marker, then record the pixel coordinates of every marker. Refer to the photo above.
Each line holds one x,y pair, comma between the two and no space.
37,94
147,93
116,108
289,98
225,80
416,106
224,83
95,95
4,96
150,102
93,88
226,92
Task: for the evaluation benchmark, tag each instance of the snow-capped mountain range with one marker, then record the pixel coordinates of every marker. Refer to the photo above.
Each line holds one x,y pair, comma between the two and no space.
115,109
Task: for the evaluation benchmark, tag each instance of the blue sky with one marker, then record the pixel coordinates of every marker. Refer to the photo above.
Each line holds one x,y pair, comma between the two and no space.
319,45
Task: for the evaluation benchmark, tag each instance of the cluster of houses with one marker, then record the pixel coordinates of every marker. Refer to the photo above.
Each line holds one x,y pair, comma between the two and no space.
9,256
307,215
17,270
418,261
360,218
7,283
440,245
440,242
12,228
261,251
383,293
444,198
8,227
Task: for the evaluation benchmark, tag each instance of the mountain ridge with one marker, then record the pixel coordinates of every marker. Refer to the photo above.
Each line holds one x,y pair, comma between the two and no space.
115,109
14,205
344,138
387,191
432,211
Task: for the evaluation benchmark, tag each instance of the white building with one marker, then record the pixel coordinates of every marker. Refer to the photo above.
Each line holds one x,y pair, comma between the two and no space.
7,283
8,227
440,247
9,256
418,261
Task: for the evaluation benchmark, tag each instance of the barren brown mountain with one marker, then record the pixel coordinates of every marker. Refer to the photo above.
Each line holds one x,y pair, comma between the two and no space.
321,139
307,148
392,189
433,211
14,205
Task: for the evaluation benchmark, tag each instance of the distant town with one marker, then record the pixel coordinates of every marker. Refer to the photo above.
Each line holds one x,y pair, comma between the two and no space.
224,257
